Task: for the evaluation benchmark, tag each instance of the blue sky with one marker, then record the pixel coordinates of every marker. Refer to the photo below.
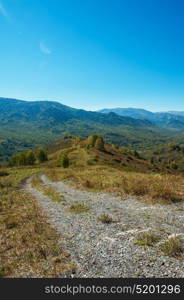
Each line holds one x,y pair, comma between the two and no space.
93,54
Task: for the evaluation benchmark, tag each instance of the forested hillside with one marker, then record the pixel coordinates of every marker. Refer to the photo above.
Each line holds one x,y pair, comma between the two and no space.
27,124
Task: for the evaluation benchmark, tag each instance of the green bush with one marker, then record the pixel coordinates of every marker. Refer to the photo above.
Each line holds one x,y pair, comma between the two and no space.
65,161
41,155
30,157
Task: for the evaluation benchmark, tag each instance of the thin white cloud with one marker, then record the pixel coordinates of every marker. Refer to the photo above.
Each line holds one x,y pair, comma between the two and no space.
4,12
44,49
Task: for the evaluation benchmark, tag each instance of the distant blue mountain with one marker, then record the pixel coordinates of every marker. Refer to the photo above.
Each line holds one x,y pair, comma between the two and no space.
28,124
172,120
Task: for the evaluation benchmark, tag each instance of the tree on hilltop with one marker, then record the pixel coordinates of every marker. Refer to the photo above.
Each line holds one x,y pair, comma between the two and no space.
91,140
30,157
41,155
99,144
65,161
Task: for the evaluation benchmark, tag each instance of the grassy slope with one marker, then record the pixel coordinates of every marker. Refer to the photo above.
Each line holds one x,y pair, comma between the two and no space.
116,170
25,125
122,158
169,155
152,188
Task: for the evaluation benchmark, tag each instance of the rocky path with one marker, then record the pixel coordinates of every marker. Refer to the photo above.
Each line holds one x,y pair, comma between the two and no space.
109,250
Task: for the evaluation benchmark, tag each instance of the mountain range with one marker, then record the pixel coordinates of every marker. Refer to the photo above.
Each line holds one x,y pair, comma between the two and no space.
171,119
28,124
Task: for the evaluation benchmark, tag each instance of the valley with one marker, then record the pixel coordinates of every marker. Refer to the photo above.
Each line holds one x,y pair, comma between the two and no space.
29,124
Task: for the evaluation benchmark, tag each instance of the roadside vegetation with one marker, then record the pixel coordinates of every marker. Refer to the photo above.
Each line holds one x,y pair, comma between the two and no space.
152,188
93,164
29,246
50,192
146,238
79,208
173,245
105,218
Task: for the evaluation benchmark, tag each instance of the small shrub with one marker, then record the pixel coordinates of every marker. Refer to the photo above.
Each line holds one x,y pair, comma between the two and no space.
146,238
135,186
104,218
5,270
65,161
88,184
38,227
152,160
41,155
164,189
3,173
53,194
174,166
172,245
136,154
79,208
11,221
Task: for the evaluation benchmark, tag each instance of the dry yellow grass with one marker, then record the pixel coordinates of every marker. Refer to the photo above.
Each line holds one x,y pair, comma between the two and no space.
172,246
53,194
29,246
152,188
104,218
146,238
79,208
